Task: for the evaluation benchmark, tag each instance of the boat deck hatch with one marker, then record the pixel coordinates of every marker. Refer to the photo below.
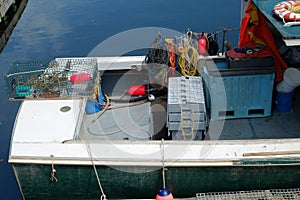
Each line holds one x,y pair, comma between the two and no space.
282,194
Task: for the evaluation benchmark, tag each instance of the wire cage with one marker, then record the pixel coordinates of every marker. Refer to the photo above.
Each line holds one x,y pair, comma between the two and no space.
274,194
51,79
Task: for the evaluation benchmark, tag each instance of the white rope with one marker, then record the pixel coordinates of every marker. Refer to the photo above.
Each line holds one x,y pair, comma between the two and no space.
53,171
103,196
163,163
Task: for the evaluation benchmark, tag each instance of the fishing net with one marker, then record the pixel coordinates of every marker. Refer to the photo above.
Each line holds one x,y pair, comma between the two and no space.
59,78
157,60
170,57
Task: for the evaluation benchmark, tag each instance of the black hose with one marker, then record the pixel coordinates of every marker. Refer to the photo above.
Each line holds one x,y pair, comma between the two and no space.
131,100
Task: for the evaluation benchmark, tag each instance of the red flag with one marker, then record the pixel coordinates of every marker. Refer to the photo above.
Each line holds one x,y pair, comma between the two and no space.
244,31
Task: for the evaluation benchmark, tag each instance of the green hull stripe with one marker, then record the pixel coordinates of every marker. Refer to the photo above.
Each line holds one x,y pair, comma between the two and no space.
79,182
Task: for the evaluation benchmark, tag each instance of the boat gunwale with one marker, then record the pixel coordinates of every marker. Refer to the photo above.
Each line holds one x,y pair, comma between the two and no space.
292,155
250,162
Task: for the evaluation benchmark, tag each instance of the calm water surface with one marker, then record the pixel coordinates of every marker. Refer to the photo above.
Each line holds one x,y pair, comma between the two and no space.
67,28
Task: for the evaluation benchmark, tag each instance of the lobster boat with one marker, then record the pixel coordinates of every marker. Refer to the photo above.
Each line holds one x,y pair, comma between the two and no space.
184,120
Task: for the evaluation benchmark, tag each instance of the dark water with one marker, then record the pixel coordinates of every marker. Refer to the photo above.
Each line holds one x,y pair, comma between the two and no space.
64,28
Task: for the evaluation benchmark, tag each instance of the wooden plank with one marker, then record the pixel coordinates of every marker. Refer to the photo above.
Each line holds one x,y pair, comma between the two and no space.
272,153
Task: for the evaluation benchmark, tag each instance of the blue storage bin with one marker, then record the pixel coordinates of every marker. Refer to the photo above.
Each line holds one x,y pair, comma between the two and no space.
93,106
247,91
284,101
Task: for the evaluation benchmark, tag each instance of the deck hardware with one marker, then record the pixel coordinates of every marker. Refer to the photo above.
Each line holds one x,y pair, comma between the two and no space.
151,97
65,108
53,171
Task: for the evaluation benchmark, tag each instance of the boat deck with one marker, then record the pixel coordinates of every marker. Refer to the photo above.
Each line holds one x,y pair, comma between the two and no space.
136,125
135,121
122,123
277,126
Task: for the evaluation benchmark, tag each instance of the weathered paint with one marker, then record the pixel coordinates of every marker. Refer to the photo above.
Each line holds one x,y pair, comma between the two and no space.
79,182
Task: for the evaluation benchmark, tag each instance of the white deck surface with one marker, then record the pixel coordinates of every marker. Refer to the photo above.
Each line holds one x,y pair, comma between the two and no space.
41,121
118,63
114,63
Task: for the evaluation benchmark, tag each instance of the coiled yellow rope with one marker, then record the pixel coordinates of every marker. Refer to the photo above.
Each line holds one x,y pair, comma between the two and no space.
188,61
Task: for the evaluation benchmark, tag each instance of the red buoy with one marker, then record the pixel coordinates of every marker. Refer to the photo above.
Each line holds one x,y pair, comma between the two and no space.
202,45
137,90
80,78
164,194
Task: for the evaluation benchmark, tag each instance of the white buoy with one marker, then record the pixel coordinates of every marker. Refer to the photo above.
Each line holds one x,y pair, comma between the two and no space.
291,80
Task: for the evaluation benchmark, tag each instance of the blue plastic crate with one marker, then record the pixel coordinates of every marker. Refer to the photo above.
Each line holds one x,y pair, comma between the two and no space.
247,92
